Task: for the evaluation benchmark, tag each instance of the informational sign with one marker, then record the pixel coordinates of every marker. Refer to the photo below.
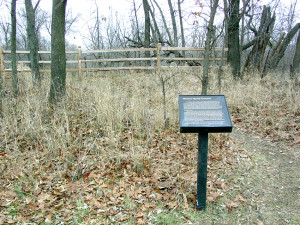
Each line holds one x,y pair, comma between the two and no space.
204,114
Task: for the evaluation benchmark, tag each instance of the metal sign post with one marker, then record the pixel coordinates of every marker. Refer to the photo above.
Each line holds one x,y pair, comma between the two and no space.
203,114
202,171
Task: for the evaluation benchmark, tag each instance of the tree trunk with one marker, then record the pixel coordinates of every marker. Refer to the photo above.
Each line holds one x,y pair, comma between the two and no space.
58,55
33,43
97,27
207,47
171,43
278,51
234,57
181,28
160,39
226,19
173,23
13,48
242,39
137,23
296,60
147,28
262,38
291,15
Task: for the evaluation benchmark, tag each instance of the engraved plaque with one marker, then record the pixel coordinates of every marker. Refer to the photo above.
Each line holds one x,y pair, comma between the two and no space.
204,114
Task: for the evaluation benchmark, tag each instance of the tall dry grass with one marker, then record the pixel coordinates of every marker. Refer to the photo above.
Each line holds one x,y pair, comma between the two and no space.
113,117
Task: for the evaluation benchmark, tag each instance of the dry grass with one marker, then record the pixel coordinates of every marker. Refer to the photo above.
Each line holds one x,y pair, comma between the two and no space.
107,140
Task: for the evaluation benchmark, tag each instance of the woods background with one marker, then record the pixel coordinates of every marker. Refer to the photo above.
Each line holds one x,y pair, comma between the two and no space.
259,34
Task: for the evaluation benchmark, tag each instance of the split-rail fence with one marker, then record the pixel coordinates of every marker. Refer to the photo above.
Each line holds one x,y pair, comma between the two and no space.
81,64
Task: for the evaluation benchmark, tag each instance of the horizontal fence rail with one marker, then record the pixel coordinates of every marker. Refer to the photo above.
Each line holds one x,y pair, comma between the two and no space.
132,59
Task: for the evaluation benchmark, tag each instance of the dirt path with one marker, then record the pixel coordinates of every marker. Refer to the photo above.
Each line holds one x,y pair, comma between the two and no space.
274,180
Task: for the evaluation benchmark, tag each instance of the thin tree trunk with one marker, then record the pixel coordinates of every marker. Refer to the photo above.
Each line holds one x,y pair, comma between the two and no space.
98,33
13,49
33,43
173,23
226,19
242,32
97,27
207,47
160,39
181,28
147,29
153,32
137,23
165,23
58,55
291,15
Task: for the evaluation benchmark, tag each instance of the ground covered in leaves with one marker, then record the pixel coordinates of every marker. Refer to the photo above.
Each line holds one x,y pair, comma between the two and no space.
103,156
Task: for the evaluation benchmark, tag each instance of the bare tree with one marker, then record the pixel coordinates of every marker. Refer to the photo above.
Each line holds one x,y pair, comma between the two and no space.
261,40
209,35
33,42
266,54
156,29
172,13
277,51
291,15
147,28
170,40
233,38
13,48
181,26
95,34
58,54
137,22
5,30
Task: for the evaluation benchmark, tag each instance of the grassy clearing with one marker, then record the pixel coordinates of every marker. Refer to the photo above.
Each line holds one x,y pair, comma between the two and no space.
104,156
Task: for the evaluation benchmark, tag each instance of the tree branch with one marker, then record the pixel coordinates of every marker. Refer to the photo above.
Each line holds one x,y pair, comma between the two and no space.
36,5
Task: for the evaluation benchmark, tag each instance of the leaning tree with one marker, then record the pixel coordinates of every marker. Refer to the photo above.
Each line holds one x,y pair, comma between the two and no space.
266,54
296,60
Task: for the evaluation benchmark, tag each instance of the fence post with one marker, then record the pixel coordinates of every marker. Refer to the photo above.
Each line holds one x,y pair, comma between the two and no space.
79,62
1,60
158,56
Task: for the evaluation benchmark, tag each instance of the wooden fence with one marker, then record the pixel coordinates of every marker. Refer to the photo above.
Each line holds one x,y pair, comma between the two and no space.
158,61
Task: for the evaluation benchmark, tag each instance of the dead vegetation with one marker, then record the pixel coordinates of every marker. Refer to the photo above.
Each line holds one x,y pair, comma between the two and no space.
104,156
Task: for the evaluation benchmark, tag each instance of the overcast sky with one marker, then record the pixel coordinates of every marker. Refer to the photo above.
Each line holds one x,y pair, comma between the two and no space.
85,8
122,7
106,7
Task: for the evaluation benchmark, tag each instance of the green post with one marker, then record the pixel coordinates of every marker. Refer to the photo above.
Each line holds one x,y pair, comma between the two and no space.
202,171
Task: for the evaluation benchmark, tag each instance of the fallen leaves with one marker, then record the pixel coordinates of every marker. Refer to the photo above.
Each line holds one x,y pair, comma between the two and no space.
117,185
214,196
240,199
231,205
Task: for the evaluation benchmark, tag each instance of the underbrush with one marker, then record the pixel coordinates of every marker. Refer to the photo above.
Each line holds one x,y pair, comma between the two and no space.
104,154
